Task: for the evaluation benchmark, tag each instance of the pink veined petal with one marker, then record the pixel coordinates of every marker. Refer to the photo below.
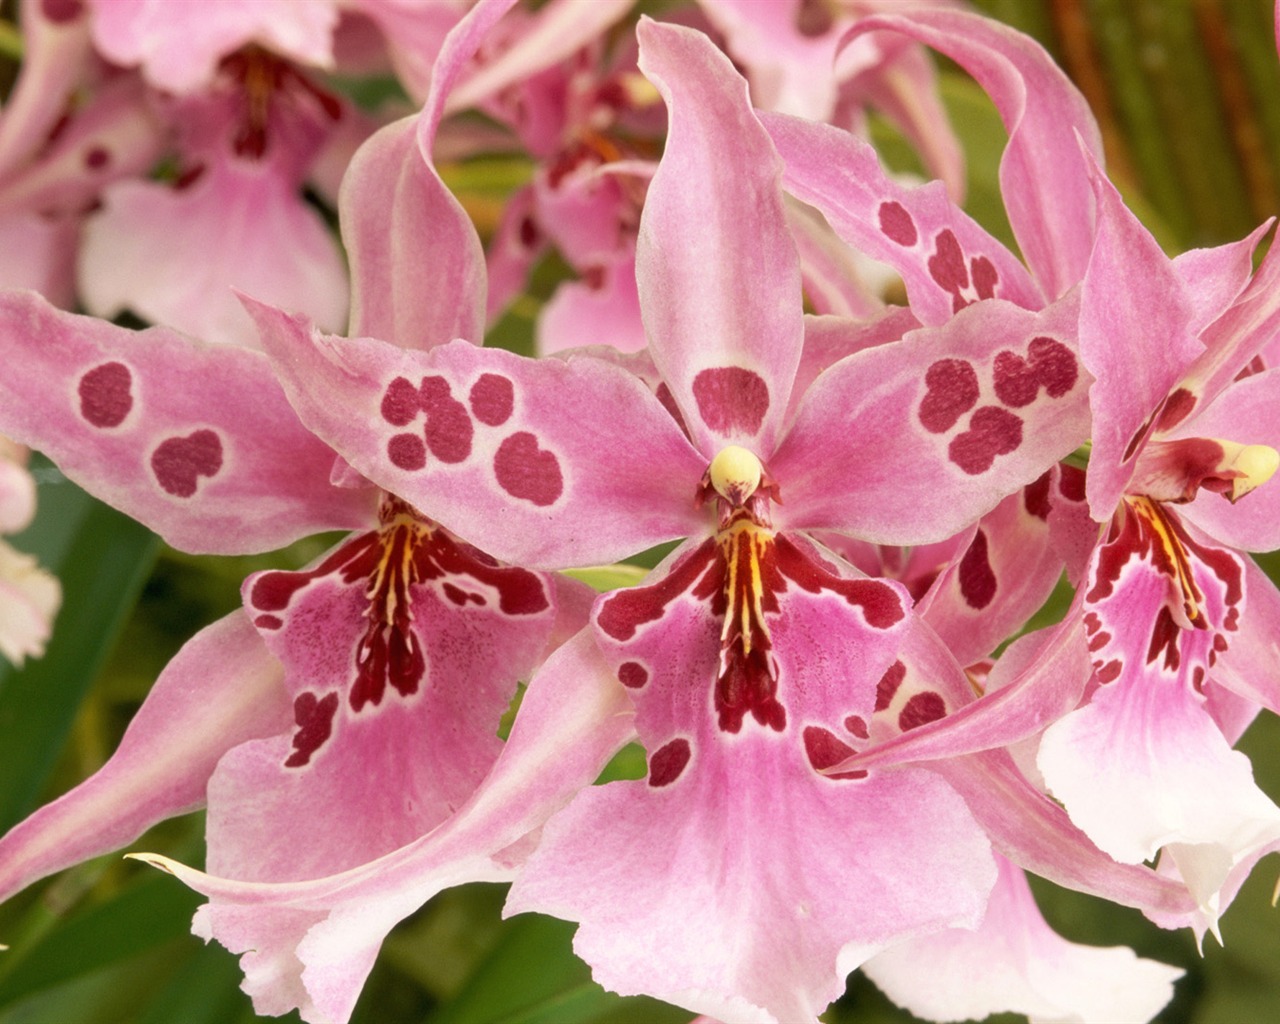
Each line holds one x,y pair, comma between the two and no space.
1014,962
417,267
402,648
221,689
548,464
1043,177
1135,338
29,599
311,944
923,443
718,273
1246,412
828,339
1035,833
179,45
744,834
1143,767
604,310
946,259
197,441
174,256
1215,277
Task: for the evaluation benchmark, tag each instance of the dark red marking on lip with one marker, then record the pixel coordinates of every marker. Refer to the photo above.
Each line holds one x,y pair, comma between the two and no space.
106,395
889,683
384,566
492,399
824,749
449,430
668,762
1049,364
314,719
1035,497
633,675
922,708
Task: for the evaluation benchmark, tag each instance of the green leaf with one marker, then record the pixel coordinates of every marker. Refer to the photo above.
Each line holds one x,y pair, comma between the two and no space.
609,577
532,977
102,558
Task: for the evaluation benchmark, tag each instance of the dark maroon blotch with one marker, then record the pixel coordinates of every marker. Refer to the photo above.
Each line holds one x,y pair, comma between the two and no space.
668,762
400,403
407,451
179,462
106,395
632,675
921,709
897,224
314,718
524,470
992,431
492,399
951,390
889,683
731,399
449,430
977,580
825,749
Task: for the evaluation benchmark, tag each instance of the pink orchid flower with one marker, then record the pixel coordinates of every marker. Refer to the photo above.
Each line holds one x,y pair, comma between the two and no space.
358,700
755,659
58,153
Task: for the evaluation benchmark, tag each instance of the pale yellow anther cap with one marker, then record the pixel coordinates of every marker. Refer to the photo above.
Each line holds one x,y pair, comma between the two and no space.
735,473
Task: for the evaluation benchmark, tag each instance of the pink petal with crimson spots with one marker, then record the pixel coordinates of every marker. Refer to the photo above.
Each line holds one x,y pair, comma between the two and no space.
196,441
1014,962
586,467
901,445
311,944
946,260
997,583
1247,666
222,689
718,275
1042,174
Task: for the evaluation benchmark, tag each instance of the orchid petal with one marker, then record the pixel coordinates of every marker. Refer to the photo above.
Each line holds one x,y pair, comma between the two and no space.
417,267
1142,766
1214,278
549,464
914,465
174,256
1042,175
1135,338
1247,666
221,689
837,279
718,273
946,259
310,944
179,45
29,599
402,649
602,311
196,441
1014,962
